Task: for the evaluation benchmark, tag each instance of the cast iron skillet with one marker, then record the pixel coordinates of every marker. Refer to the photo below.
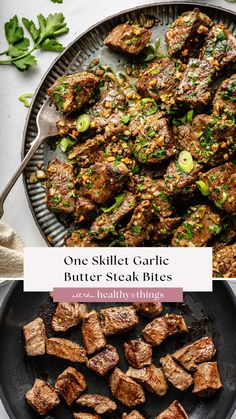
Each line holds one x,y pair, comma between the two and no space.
205,313
76,57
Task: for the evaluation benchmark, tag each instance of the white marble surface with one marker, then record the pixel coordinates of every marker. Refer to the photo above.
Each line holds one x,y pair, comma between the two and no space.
80,15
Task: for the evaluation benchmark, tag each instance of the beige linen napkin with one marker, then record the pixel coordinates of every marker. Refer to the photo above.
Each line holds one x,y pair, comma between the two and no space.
11,253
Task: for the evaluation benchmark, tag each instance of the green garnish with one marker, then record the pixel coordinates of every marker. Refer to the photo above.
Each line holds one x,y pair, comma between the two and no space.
24,98
149,106
118,201
214,228
57,1
136,229
202,186
66,144
44,37
125,119
83,122
185,161
222,200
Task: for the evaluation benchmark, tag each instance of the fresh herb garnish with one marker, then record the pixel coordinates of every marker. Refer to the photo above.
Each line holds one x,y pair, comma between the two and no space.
24,99
43,36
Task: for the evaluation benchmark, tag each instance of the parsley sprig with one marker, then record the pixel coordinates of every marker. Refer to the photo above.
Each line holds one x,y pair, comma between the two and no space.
44,36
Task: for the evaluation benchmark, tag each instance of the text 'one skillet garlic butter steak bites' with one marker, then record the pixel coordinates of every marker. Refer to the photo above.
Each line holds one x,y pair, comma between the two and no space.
150,150
124,348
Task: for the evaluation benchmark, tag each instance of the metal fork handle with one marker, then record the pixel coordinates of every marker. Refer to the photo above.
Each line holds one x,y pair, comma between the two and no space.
34,147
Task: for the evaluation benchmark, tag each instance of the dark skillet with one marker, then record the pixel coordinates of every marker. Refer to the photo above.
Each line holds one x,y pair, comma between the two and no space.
206,313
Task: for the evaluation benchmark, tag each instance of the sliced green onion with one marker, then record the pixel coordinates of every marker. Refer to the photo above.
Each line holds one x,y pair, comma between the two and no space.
223,199
202,186
24,98
83,122
118,201
189,116
199,134
66,144
151,107
185,161
214,228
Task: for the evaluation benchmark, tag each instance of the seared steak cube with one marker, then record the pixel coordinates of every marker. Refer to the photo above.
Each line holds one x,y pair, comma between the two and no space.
221,186
173,411
225,98
104,361
132,415
69,93
175,374
206,379
83,152
118,319
157,146
165,228
162,327
201,350
130,39
102,181
224,262
85,210
70,384
138,229
219,47
68,315
151,377
92,332
60,187
80,238
150,310
82,415
177,179
35,337
106,222
160,199
138,353
160,79
186,33
126,390
42,397
199,226
65,349
100,404
194,88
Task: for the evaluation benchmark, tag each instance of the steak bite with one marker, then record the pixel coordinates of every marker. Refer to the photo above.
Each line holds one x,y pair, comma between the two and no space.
138,353
80,238
69,93
194,88
224,262
186,33
65,349
126,390
164,228
132,415
150,310
85,210
155,146
199,226
175,374
106,222
219,47
160,79
127,38
173,411
68,315
151,377
220,183
139,228
60,187
118,319
225,98
92,333
100,404
201,350
42,397
82,415
70,384
160,199
35,337
87,152
104,361
206,379
161,328
176,179
101,181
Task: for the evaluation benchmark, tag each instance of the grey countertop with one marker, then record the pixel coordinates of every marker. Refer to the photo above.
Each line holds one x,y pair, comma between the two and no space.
80,15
